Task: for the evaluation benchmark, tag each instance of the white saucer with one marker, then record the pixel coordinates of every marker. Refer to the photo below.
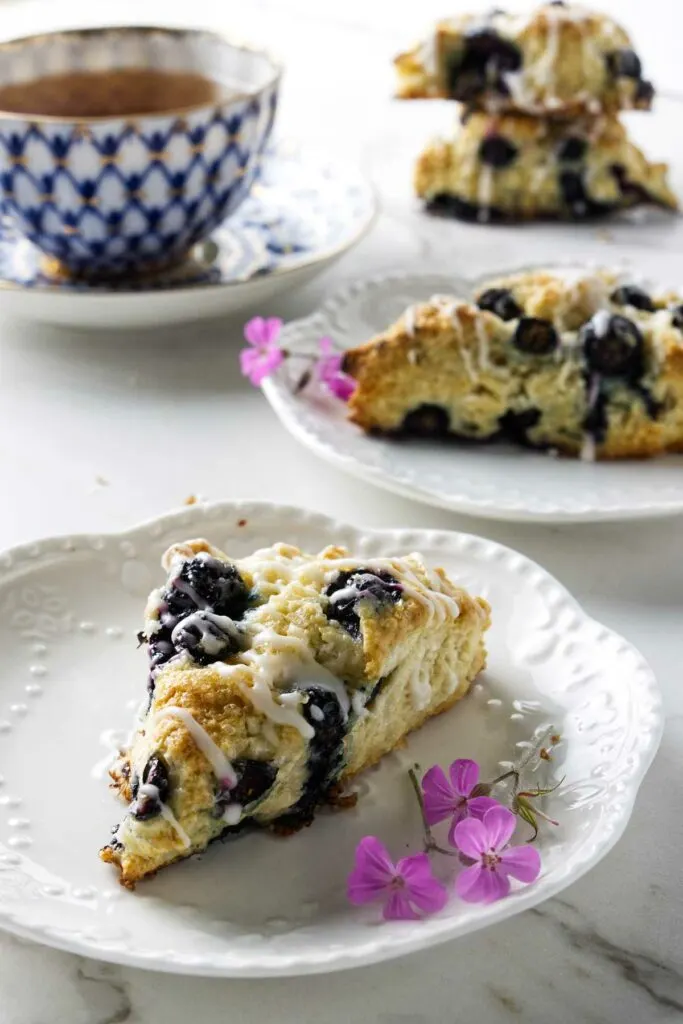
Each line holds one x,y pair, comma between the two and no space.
303,213
495,481
261,906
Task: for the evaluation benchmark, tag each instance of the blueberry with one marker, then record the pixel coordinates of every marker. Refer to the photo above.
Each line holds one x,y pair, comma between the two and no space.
427,421
573,191
645,92
535,337
614,348
624,63
378,586
254,779
632,295
497,151
500,302
572,149
145,806
515,426
209,583
677,317
325,754
204,639
161,648
481,64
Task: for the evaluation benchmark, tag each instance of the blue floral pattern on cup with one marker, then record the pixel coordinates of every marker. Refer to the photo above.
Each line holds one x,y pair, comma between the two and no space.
113,195
301,210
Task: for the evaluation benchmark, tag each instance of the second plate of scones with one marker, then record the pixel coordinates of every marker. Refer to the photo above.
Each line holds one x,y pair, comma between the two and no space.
552,393
538,99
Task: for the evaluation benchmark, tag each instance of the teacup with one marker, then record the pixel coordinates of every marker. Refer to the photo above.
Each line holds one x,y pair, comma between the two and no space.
120,148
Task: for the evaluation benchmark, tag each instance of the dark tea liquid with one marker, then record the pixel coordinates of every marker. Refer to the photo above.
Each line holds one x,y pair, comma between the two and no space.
119,92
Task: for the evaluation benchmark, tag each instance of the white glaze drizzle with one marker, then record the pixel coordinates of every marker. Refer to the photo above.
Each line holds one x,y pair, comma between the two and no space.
468,363
600,322
358,704
221,766
209,642
147,789
484,193
409,320
588,447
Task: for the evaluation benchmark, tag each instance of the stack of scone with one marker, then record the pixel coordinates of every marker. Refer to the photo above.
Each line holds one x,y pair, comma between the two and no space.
540,134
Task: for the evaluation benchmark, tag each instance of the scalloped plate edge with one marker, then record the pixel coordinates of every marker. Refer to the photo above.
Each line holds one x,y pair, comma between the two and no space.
25,556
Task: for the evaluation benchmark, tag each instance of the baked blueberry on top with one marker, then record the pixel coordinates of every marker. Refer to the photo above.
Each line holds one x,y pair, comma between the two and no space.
576,363
287,675
349,588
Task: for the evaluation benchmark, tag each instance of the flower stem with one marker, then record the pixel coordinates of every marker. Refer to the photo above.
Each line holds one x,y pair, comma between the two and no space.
430,843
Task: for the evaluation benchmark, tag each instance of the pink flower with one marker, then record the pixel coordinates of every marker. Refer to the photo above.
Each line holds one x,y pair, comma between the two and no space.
452,798
486,843
264,357
409,889
329,371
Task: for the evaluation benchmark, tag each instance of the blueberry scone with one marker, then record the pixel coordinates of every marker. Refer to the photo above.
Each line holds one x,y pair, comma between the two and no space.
562,60
514,168
274,680
582,364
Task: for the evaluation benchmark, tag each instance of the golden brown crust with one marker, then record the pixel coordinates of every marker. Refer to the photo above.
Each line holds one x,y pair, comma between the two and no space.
557,62
450,356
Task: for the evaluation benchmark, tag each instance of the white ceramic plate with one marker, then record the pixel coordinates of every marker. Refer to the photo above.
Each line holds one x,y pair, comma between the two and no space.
302,214
261,906
497,481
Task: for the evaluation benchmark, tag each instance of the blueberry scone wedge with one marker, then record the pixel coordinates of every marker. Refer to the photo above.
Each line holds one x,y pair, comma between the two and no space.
520,168
584,364
561,60
275,679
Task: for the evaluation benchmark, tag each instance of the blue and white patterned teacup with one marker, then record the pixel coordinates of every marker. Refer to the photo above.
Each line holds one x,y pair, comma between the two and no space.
124,191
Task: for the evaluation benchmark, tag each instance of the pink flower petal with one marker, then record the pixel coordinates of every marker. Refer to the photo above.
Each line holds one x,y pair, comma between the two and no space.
471,837
254,331
459,814
328,367
342,386
398,908
481,885
439,800
464,776
257,364
423,889
262,333
326,346
522,862
479,805
499,823
373,872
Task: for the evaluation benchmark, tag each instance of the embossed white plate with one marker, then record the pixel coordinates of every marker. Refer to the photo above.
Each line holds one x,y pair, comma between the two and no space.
70,671
497,481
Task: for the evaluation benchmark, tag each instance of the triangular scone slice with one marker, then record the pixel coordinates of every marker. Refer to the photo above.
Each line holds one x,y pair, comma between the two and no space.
578,362
560,60
520,168
331,672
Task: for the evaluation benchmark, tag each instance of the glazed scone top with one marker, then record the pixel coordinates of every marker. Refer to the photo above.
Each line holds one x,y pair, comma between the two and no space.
570,300
560,59
287,622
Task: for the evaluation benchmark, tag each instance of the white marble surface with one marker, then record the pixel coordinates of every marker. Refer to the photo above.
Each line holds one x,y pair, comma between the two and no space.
99,431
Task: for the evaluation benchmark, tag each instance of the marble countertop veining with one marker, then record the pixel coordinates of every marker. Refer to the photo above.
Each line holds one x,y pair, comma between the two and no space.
610,949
